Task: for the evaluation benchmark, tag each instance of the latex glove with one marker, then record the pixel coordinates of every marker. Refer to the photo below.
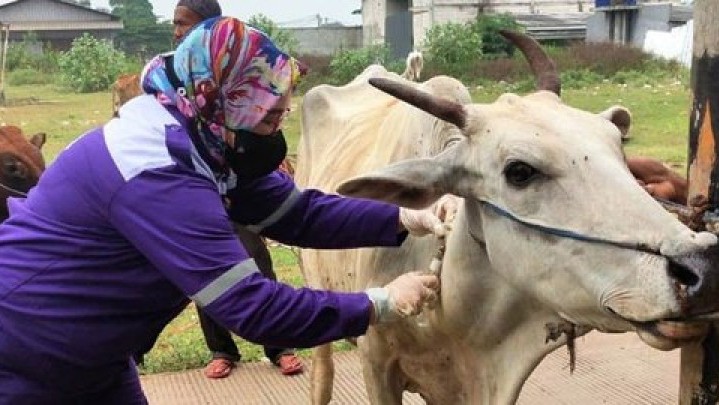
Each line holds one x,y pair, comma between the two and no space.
404,296
430,221
446,208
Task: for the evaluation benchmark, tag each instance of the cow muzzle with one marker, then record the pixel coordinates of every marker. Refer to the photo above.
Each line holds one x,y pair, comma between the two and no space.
696,278
698,274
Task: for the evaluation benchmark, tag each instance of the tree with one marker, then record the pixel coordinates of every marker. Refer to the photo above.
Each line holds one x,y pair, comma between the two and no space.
282,38
142,34
90,64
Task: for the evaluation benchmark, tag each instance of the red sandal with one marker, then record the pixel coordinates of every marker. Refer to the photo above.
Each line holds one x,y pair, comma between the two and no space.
219,368
290,364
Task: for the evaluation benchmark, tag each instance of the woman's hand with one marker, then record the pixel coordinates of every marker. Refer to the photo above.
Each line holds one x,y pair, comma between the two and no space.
402,297
434,220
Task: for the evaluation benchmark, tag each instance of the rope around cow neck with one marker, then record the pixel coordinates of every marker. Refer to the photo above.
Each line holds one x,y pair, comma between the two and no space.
13,190
435,266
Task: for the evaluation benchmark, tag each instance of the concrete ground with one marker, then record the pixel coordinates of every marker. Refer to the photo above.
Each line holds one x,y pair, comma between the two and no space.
611,369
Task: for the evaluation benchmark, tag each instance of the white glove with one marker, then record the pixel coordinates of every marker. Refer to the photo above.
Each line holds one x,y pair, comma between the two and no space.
446,208
435,221
404,296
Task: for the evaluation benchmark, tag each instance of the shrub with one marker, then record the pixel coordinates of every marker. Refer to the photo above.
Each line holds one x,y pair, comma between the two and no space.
507,69
452,46
91,64
31,54
347,64
606,59
319,71
493,43
579,64
580,78
19,77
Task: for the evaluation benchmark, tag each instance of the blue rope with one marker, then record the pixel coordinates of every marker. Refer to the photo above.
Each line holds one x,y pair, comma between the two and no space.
566,233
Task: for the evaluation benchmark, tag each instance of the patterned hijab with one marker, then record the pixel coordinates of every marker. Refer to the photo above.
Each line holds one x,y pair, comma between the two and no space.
231,74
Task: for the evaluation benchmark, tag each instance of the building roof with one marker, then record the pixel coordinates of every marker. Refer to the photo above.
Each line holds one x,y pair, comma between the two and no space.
6,3
26,17
65,25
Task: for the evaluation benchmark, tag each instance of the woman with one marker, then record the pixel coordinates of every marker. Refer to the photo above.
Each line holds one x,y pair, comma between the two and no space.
129,223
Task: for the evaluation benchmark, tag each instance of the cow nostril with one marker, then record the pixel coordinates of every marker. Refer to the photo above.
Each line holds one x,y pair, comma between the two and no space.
683,274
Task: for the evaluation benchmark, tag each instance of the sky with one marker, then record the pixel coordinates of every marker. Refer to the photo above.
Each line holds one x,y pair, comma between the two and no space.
283,12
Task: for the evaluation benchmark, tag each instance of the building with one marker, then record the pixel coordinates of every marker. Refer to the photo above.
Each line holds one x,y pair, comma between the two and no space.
628,21
56,22
402,24
326,40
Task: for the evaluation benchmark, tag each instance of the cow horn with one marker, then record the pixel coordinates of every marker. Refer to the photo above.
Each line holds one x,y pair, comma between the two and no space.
542,65
441,108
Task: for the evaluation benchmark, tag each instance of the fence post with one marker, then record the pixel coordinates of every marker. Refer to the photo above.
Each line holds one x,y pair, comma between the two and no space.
699,379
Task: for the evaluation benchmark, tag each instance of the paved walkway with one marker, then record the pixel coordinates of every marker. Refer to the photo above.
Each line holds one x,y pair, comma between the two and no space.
611,369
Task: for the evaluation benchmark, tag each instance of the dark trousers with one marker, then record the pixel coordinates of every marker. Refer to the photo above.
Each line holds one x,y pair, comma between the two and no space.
218,338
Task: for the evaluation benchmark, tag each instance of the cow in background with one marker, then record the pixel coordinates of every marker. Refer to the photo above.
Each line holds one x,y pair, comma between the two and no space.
126,87
413,66
554,236
658,179
21,163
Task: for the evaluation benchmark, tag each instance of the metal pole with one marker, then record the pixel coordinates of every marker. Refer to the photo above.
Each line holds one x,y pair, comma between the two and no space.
699,379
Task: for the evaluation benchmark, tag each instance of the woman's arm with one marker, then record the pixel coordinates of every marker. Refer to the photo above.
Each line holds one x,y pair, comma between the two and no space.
275,207
179,224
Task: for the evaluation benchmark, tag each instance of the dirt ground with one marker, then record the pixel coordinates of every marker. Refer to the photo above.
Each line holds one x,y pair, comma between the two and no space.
611,369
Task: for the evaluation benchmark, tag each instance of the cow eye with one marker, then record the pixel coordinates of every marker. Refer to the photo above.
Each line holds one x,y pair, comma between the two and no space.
520,174
449,142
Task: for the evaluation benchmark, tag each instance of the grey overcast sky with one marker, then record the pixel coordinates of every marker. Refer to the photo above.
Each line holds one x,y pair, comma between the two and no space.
284,12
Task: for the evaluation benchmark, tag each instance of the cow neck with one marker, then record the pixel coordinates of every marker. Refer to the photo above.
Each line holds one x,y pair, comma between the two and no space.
565,233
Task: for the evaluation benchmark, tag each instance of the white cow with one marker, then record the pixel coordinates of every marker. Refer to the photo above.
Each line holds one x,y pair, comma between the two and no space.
413,66
553,232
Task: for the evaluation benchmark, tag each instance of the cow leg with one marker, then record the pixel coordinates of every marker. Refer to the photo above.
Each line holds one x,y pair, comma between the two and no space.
322,375
384,381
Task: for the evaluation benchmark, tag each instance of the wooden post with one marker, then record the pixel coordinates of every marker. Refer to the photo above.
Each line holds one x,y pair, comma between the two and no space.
699,380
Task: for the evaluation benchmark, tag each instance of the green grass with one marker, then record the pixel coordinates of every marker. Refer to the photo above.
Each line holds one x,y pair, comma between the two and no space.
63,116
660,126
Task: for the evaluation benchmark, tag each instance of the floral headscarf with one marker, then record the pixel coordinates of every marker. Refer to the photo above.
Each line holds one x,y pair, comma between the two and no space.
231,75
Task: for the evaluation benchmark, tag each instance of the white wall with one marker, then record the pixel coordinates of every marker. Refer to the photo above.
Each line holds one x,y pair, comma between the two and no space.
675,45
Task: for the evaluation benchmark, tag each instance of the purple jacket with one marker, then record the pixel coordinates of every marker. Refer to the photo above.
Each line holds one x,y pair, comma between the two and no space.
128,222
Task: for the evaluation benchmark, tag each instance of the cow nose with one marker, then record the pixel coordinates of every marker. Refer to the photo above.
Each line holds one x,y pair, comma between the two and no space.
683,272
699,272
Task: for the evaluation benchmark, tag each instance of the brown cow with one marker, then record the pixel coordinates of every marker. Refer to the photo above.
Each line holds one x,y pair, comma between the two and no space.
21,164
658,179
126,87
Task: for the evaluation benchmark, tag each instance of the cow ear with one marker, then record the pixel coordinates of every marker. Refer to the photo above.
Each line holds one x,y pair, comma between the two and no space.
38,139
415,183
620,117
